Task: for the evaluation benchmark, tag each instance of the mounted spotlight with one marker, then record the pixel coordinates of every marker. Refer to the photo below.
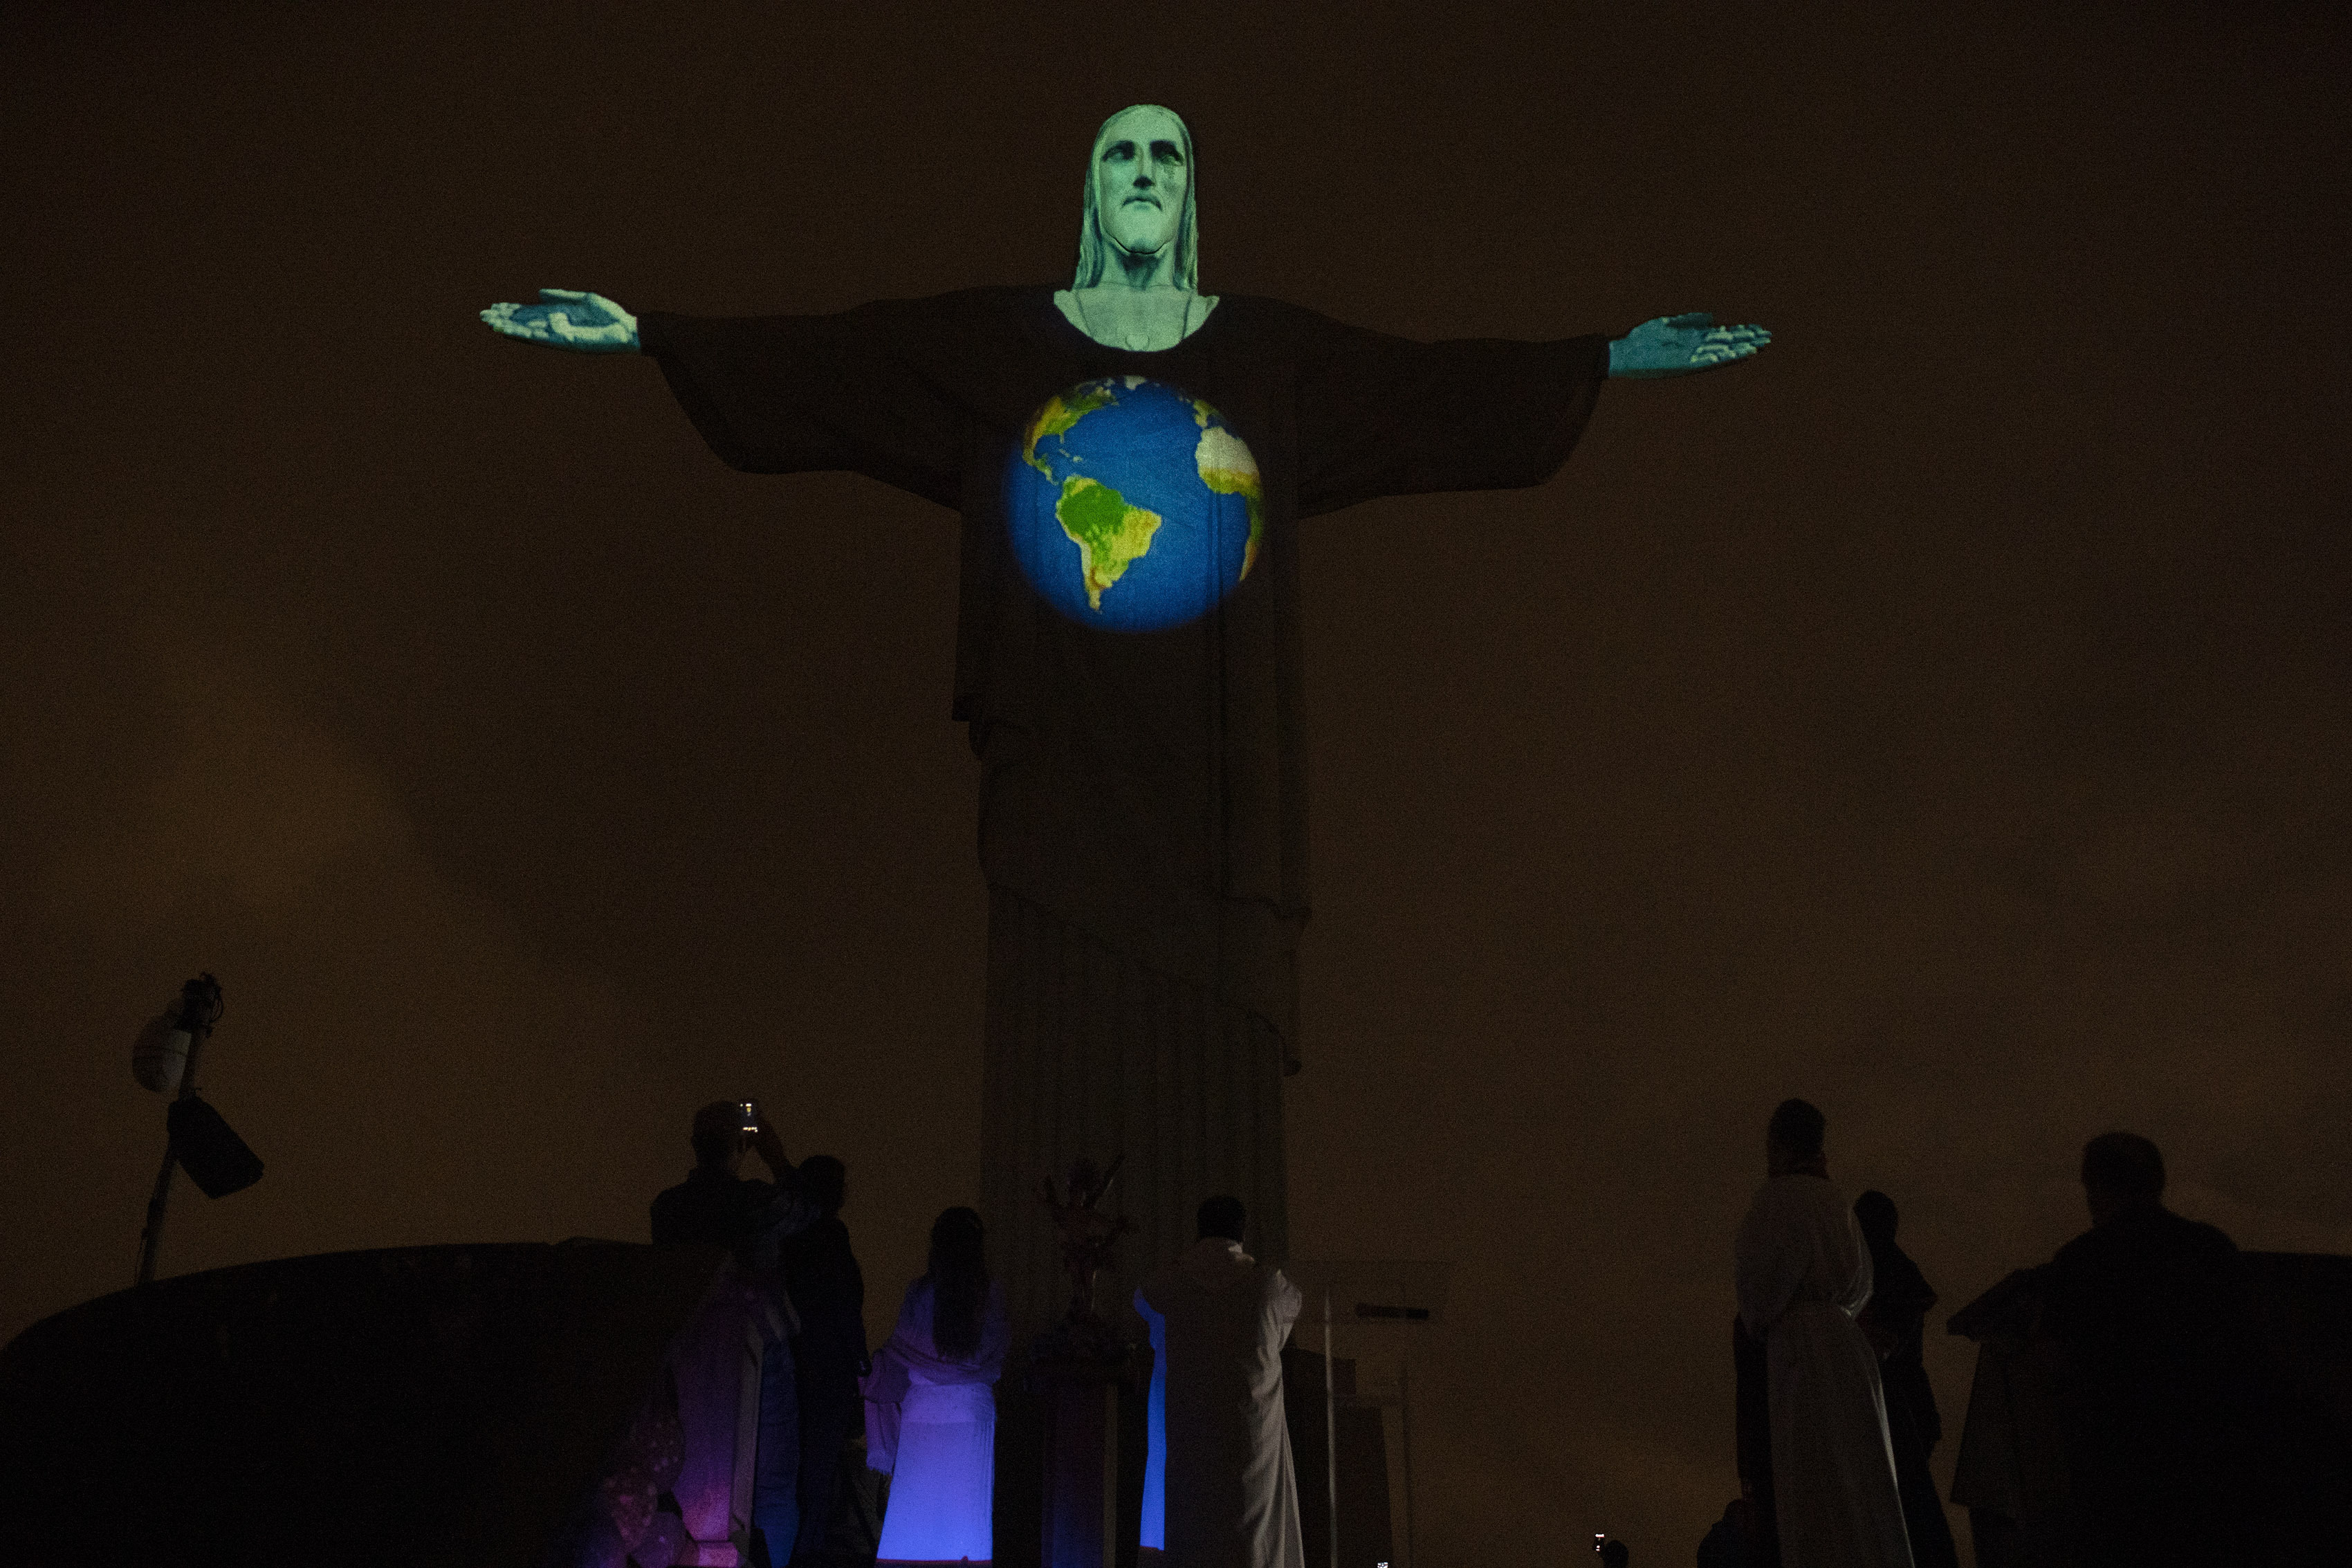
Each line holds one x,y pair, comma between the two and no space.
160,1055
164,1058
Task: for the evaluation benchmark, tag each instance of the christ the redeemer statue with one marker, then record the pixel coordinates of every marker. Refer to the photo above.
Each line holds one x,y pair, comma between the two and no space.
1131,460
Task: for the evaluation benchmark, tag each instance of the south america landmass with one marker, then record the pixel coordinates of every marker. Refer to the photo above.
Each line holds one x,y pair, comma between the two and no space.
1109,533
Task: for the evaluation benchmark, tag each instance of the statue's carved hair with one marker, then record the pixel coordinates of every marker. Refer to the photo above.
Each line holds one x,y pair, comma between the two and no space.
1095,246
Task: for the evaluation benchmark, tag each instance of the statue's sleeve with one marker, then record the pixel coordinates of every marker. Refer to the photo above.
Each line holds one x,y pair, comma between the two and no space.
1387,416
789,394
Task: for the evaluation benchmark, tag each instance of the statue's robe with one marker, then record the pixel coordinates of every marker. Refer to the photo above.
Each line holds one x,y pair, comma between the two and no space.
1143,802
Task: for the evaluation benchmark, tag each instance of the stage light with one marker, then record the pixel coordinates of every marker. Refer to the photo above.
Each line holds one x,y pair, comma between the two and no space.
160,1055
164,1058
217,1160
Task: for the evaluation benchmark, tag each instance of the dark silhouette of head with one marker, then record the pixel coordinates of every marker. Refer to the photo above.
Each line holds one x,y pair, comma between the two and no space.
719,1135
1221,1217
1793,1139
959,1278
826,1181
1615,1554
2123,1173
1876,1213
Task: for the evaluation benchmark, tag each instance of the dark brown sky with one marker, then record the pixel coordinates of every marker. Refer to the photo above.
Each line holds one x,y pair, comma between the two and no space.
1944,717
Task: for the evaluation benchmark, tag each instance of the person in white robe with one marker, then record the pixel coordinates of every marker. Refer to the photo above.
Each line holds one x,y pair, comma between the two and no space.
1230,1497
1803,1276
930,1413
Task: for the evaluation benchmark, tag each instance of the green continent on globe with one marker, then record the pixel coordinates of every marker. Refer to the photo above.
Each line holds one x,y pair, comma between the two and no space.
1226,467
1058,416
1109,533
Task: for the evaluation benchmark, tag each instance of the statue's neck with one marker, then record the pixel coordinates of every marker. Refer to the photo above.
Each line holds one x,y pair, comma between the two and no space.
1140,270
1143,320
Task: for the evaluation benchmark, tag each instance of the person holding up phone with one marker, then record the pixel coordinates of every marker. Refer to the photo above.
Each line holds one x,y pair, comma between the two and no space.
717,1205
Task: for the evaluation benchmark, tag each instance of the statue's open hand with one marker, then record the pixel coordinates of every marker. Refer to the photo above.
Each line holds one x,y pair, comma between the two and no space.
568,318
1682,345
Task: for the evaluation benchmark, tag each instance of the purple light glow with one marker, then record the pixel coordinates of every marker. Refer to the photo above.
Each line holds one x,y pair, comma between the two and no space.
944,1483
1154,1533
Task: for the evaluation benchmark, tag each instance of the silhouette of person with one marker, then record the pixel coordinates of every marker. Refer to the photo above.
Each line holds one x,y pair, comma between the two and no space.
2171,1447
1894,1323
1729,1542
1803,1275
1615,1554
716,1206
828,1290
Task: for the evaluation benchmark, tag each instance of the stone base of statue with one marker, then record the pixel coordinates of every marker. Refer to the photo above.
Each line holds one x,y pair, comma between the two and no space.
1090,1390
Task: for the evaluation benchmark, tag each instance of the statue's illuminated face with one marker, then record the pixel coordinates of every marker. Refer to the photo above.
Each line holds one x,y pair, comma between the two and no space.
1141,180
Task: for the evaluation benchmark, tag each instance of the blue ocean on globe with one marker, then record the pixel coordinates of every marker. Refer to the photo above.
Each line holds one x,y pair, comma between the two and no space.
1132,506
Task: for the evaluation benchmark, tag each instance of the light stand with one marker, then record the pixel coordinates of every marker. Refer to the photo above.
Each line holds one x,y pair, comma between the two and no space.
1385,1294
200,1009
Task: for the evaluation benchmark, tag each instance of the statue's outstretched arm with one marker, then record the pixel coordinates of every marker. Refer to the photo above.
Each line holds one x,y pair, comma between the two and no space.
569,319
1681,346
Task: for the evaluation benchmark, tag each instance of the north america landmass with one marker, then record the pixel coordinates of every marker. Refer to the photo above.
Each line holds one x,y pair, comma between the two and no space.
1111,532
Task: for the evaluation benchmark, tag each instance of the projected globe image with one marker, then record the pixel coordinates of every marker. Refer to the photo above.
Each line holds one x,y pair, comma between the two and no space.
1132,506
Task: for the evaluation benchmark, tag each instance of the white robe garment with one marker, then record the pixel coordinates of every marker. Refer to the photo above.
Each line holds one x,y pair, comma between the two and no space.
931,1426
1230,1497
1803,1275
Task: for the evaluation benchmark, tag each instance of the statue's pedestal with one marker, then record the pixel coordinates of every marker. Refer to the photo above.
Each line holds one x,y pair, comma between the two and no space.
1090,1403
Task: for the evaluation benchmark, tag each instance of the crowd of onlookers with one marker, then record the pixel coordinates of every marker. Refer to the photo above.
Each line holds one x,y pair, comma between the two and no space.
1219,1487
2179,1438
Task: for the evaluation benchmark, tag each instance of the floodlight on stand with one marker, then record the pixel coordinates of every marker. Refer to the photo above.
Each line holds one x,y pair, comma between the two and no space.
160,1055
164,1060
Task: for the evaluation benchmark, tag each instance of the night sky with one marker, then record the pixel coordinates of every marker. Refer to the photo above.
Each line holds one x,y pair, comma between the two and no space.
1943,717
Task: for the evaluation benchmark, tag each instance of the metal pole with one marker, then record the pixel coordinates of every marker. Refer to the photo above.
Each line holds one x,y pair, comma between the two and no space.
152,1237
1330,1431
1405,1406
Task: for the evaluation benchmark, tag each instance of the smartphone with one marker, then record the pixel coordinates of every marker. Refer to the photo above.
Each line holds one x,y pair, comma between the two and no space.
751,1109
